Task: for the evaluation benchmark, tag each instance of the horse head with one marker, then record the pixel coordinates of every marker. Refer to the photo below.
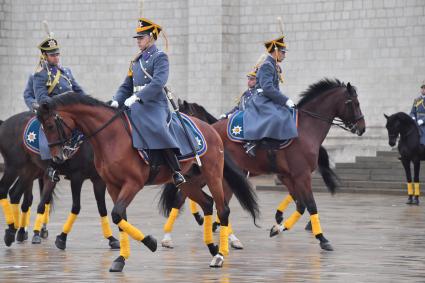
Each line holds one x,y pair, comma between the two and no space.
396,123
58,129
350,112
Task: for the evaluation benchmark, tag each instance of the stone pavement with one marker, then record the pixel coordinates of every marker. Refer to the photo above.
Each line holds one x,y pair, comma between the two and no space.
377,238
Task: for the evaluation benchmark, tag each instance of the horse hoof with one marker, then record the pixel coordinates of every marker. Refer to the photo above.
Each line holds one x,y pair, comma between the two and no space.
22,235
199,219
36,239
215,226
167,244
326,246
308,226
44,233
213,249
117,265
217,261
114,244
150,242
275,230
236,244
278,216
60,242
9,236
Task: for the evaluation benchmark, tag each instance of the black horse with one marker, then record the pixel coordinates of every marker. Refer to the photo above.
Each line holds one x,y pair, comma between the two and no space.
23,167
409,147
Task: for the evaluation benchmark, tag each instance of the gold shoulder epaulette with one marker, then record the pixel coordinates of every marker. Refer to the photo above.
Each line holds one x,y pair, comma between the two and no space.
418,102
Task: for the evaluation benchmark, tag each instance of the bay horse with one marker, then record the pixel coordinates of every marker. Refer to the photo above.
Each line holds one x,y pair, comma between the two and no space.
22,167
125,172
172,200
411,150
321,104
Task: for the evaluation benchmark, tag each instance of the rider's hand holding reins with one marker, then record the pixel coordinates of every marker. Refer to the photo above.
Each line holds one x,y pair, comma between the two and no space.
290,103
131,100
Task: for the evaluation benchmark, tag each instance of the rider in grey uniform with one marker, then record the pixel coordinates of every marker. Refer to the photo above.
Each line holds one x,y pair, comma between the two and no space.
268,116
143,92
50,79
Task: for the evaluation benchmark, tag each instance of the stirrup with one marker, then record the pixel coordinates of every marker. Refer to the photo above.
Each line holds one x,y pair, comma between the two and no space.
53,174
250,148
178,179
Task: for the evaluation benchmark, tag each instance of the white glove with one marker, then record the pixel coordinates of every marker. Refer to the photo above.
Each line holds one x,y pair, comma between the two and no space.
114,104
223,116
290,103
131,100
420,122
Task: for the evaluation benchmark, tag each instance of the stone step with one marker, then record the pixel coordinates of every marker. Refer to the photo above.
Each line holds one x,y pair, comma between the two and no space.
392,153
377,159
368,190
385,185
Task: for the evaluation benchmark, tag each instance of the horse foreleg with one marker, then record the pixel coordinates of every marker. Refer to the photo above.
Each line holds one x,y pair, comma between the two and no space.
8,178
99,188
417,168
125,196
41,209
235,243
406,166
76,184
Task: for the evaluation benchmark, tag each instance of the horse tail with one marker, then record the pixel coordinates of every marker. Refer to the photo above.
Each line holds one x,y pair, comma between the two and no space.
166,200
329,176
241,187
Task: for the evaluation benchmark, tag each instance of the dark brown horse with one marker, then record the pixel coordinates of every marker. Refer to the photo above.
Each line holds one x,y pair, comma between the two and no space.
124,171
320,104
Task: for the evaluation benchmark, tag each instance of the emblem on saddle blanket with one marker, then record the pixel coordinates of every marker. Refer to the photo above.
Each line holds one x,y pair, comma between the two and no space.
31,136
235,130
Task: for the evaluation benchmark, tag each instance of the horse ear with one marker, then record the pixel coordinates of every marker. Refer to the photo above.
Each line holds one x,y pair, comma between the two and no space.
179,101
386,116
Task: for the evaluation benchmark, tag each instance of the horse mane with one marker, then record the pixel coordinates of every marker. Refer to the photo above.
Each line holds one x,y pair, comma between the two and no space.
210,118
72,98
403,117
318,88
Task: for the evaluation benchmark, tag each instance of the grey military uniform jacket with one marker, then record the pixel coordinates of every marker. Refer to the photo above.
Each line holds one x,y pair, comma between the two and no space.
266,115
418,113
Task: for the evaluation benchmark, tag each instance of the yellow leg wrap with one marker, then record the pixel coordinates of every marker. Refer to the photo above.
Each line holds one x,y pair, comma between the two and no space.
46,214
27,221
410,189
131,230
15,211
285,202
292,220
168,226
124,245
315,224
193,207
69,222
417,189
38,222
217,219
23,220
106,228
224,240
208,235
7,211
230,229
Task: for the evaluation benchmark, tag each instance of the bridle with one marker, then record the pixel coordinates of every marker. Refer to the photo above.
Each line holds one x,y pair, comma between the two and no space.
349,126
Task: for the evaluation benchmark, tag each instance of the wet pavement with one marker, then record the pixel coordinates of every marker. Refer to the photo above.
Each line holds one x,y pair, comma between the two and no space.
376,238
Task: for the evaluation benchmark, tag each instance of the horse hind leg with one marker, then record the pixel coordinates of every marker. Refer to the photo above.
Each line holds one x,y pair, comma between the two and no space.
178,202
417,168
22,234
407,170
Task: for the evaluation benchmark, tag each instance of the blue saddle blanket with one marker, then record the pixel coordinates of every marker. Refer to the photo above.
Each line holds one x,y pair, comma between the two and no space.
32,133
235,130
200,144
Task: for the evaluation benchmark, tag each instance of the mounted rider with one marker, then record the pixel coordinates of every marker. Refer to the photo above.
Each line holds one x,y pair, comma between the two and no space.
268,117
246,96
50,79
418,112
143,92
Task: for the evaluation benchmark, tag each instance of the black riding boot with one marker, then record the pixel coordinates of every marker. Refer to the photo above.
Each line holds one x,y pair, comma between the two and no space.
250,148
52,172
173,163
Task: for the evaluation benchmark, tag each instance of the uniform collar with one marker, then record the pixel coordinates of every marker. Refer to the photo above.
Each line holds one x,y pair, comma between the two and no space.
146,54
271,59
